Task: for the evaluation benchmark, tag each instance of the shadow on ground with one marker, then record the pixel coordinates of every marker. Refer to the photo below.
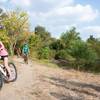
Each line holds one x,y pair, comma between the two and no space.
65,64
78,87
61,96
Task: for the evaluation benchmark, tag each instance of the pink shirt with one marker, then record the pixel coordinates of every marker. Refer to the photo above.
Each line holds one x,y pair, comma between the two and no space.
3,51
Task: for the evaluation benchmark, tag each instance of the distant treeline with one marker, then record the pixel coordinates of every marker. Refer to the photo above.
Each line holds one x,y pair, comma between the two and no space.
81,55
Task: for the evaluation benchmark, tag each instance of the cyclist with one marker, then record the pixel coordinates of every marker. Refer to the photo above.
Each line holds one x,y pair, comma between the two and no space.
25,51
4,57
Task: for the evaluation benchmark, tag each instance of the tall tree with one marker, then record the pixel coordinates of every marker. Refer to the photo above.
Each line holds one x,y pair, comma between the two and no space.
69,36
16,25
94,43
82,53
41,31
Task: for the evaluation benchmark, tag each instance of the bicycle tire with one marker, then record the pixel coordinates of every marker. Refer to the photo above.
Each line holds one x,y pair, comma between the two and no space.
1,80
26,59
15,70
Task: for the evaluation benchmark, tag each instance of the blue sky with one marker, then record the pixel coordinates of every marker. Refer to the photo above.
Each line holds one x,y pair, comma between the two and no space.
59,15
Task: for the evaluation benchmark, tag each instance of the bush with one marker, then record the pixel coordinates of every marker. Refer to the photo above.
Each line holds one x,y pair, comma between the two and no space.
83,54
43,53
95,67
5,39
63,54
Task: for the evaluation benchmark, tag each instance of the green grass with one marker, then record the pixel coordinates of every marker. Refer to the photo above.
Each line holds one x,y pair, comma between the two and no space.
46,62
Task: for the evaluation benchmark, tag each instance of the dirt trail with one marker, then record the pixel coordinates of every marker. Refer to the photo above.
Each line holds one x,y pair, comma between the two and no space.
38,82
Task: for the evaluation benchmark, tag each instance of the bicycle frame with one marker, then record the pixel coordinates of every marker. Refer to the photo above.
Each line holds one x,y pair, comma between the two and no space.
2,70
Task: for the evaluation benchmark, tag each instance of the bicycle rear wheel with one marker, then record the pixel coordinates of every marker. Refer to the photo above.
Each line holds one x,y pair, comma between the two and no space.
1,80
26,59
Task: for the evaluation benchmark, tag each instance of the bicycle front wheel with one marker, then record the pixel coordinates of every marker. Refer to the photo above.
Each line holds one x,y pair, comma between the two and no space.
1,80
13,73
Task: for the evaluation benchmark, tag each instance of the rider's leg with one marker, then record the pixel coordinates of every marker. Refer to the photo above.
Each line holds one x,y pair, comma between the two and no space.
6,65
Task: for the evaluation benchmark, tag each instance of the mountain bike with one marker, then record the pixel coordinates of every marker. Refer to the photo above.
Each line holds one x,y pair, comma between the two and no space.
4,75
25,57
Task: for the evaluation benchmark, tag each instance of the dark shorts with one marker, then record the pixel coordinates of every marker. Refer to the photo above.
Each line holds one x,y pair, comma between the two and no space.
2,57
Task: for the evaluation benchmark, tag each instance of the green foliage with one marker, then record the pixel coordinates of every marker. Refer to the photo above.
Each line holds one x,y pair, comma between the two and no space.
63,54
69,36
56,45
70,47
44,53
3,15
4,38
16,22
35,41
15,25
94,44
40,31
83,54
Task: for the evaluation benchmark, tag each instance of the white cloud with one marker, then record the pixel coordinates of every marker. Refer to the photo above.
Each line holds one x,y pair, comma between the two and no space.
94,30
87,13
76,13
59,10
22,3
58,2
64,15
59,15
3,1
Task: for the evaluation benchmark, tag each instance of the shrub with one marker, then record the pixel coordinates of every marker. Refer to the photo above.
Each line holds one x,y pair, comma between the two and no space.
83,54
43,53
63,54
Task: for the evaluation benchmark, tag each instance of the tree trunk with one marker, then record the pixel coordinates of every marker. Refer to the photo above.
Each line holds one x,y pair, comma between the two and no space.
11,49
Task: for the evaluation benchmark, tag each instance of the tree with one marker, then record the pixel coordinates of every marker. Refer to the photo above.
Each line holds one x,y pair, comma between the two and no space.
91,39
69,36
4,38
44,35
2,15
16,25
44,53
82,53
94,43
56,45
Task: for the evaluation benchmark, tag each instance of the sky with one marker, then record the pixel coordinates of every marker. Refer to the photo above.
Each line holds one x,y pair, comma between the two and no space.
57,16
